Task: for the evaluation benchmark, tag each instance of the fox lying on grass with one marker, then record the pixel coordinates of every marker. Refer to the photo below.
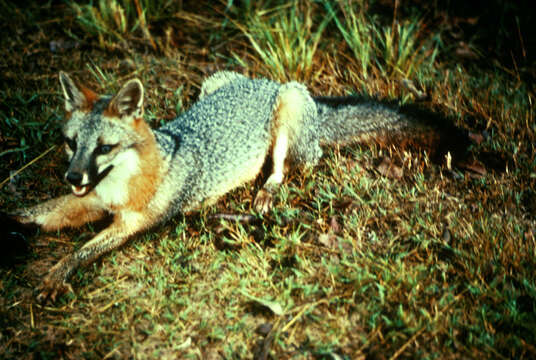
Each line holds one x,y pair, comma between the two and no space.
119,166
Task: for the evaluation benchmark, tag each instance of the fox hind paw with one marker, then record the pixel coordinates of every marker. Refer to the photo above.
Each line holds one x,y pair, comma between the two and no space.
263,201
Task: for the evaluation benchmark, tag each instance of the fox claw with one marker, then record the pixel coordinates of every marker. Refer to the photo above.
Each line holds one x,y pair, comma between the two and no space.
50,290
55,282
263,201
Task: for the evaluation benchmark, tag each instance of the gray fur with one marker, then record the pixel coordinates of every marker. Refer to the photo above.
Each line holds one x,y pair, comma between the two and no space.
341,123
215,139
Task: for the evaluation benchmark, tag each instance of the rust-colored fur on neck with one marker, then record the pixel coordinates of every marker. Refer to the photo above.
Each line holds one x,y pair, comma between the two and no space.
142,188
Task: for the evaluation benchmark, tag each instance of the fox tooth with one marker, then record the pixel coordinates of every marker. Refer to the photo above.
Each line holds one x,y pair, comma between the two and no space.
80,190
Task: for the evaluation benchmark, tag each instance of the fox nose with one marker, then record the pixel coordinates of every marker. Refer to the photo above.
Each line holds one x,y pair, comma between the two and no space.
74,178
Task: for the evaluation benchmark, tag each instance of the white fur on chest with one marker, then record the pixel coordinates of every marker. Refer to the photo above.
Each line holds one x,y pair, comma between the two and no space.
113,189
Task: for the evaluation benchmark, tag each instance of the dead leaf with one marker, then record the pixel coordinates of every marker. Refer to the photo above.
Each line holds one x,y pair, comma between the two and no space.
334,225
476,138
328,240
446,236
240,218
465,51
477,170
62,45
262,348
264,329
343,203
410,85
272,305
390,170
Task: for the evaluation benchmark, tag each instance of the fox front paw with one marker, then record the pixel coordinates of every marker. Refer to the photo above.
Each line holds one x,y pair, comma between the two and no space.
263,201
51,289
55,282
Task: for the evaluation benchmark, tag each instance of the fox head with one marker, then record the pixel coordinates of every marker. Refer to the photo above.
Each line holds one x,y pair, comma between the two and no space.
102,136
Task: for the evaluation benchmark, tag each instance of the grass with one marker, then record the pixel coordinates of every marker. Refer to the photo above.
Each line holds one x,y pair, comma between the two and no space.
284,39
114,22
352,263
394,51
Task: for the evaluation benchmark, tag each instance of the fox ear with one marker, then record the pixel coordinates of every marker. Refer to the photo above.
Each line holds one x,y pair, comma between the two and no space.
74,97
128,101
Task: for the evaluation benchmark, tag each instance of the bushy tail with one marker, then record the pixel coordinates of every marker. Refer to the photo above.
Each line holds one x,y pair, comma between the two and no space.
343,120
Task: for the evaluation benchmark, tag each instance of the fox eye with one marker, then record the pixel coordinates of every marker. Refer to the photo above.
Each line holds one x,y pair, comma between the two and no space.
104,149
71,143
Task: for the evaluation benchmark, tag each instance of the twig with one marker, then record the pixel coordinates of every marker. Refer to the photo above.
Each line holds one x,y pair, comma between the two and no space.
32,322
112,303
403,347
25,166
240,218
302,311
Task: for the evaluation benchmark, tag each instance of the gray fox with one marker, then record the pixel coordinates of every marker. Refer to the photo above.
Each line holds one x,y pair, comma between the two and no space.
119,166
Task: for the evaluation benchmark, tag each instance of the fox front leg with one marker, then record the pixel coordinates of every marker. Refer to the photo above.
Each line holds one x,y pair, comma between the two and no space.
65,211
124,226
61,212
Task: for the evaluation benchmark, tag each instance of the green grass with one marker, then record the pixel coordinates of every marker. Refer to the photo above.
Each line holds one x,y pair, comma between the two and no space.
115,23
435,263
394,51
285,39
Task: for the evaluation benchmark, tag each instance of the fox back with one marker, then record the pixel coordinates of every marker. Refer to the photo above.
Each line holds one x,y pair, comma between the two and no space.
219,143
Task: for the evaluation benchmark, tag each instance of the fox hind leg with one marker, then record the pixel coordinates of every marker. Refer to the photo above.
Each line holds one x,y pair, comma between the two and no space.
294,108
264,199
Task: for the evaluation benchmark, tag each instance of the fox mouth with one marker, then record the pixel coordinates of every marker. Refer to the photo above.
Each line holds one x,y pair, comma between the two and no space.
83,190
80,190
